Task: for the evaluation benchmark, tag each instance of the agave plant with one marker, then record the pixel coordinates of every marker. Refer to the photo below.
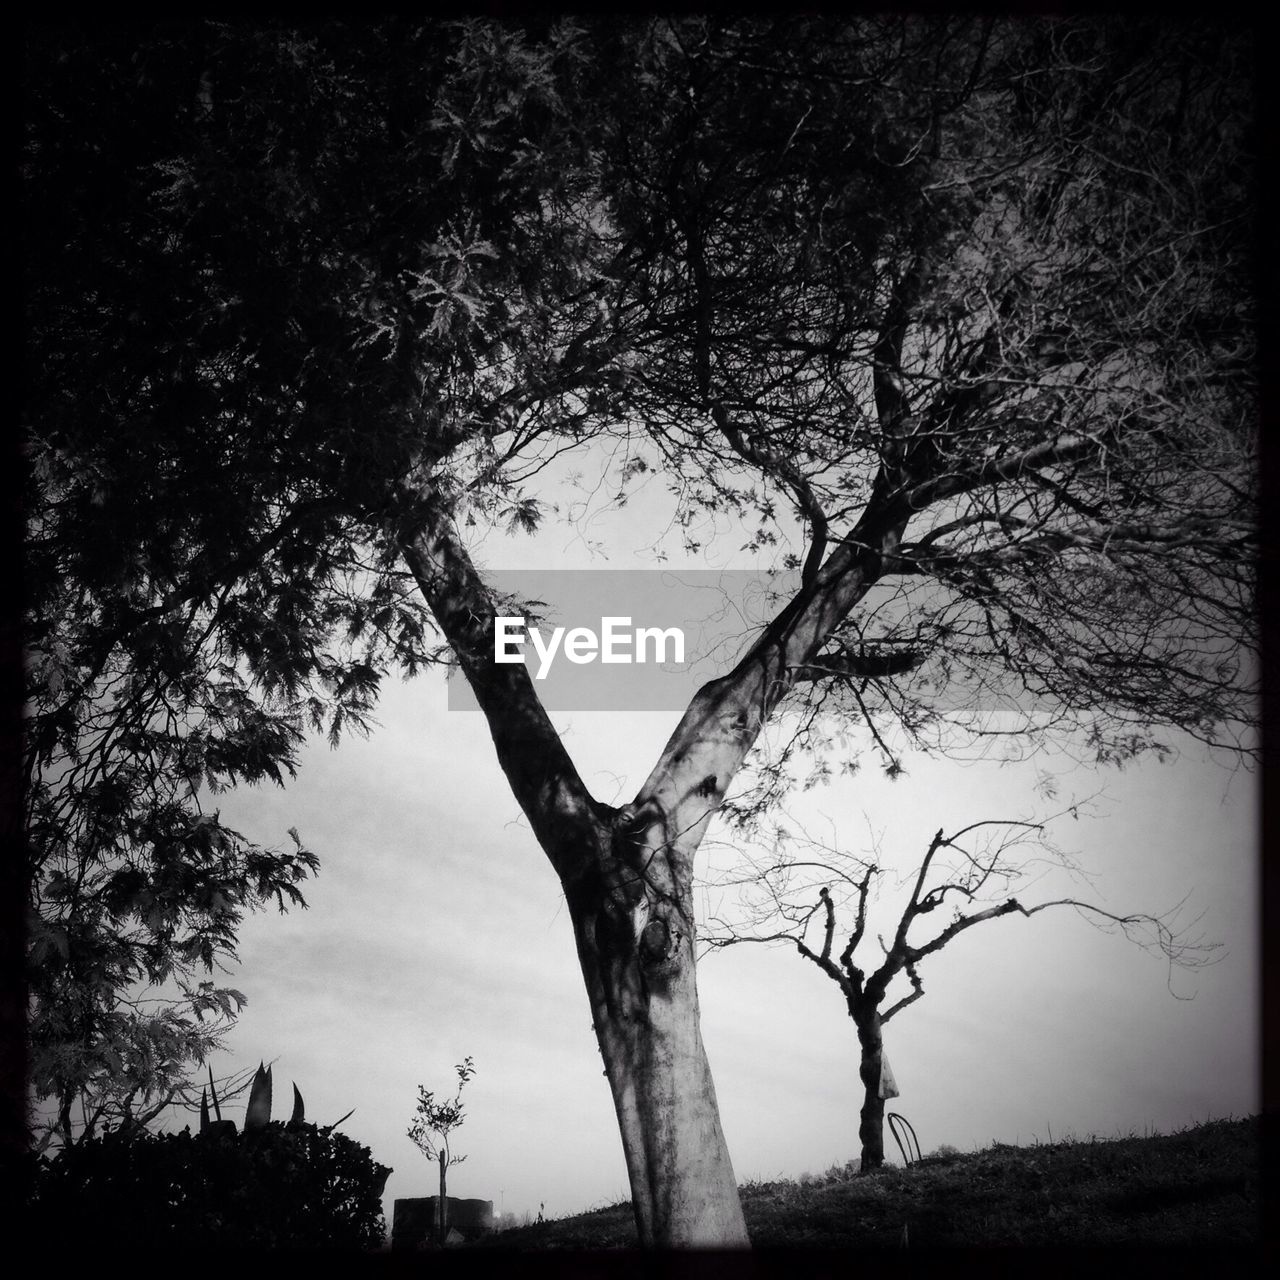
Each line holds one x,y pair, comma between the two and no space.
282,1185
257,1114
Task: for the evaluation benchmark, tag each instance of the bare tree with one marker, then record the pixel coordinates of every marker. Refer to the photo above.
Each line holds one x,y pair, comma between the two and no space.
820,897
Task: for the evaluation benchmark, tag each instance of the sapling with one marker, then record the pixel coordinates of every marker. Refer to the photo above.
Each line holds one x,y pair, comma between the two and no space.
430,1130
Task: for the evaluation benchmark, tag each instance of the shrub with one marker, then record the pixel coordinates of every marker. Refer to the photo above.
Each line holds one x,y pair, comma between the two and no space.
277,1187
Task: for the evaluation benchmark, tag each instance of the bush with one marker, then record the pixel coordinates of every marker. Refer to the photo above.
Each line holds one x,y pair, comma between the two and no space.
280,1187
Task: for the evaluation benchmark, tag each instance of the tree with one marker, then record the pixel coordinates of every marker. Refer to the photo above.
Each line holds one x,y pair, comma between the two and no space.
957,309
157,677
440,1118
809,887
137,889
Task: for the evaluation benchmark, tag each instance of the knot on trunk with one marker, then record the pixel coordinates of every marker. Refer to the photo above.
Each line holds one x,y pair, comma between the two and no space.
629,826
657,942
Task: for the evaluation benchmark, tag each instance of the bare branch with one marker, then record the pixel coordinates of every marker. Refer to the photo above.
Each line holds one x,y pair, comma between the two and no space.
917,990
865,664
860,920
830,926
1150,932
1005,851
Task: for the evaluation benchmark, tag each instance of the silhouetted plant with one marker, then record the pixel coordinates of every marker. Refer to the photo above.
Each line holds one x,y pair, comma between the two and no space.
294,1185
440,1119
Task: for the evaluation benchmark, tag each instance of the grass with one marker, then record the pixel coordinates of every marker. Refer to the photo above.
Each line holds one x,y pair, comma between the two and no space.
1200,1187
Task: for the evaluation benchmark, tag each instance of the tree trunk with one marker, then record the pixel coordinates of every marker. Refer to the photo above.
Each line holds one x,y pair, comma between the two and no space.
442,1215
637,957
871,1121
64,1118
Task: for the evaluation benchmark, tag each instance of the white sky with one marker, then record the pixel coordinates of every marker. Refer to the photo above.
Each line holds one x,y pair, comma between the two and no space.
436,929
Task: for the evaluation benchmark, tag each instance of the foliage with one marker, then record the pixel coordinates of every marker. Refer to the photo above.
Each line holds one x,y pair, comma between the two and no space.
993,275
143,920
440,1119
1015,315
951,314
282,1186
200,488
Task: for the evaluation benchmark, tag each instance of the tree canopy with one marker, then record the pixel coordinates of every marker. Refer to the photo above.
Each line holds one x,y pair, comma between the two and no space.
953,315
986,286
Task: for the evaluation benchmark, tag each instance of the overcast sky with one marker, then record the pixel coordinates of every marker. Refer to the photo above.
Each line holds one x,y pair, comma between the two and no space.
437,929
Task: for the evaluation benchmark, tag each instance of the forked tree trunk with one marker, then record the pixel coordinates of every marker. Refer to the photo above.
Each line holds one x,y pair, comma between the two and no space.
628,873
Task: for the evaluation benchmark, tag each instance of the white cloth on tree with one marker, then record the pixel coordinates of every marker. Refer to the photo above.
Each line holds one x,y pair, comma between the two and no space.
888,1085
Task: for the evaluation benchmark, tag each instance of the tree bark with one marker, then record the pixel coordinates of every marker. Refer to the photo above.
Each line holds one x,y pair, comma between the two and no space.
442,1217
636,947
871,1119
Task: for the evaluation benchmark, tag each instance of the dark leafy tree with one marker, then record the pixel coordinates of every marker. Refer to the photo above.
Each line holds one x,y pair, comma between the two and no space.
958,309
821,899
190,615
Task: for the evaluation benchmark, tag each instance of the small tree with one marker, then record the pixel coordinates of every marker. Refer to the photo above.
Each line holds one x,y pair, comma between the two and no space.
440,1119
978,866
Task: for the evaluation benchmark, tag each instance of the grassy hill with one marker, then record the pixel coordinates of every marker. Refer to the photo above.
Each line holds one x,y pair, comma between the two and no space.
1200,1187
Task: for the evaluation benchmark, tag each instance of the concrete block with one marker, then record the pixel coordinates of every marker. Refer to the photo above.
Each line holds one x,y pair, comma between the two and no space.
413,1222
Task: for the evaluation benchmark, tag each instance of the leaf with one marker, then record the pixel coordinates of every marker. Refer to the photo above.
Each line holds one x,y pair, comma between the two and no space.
525,514
258,1113
337,1122
213,1094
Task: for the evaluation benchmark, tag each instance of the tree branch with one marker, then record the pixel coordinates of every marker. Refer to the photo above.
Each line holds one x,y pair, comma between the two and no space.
750,449
867,664
1066,447
824,963
829,927
916,993
772,463
545,781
